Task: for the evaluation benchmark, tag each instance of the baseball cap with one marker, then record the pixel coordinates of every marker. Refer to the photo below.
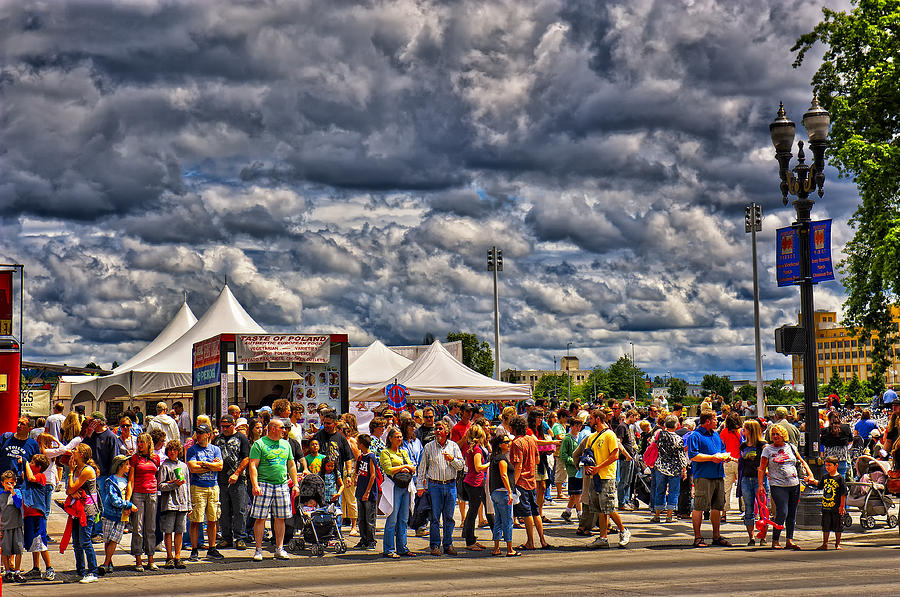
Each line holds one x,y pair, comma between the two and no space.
117,462
204,428
98,416
226,419
241,421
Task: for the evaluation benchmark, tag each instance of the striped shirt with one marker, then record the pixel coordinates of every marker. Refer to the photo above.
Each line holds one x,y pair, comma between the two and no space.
435,467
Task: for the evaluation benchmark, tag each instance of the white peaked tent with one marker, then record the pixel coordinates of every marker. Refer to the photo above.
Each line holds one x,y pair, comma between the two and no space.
376,364
170,368
436,375
183,321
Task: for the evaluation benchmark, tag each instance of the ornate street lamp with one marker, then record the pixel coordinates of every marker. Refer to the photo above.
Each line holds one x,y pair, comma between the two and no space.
800,182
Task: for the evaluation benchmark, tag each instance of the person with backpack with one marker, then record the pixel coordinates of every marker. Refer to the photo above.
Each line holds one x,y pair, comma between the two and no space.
669,468
600,458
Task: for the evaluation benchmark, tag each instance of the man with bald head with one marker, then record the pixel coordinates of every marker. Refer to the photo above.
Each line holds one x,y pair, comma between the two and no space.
164,423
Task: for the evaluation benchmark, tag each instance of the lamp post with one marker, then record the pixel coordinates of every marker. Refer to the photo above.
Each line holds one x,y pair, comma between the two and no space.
555,378
752,225
495,264
633,375
800,182
569,370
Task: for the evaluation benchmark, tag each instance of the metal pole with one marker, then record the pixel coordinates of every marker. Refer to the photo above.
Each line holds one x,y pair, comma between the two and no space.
569,370
760,392
633,375
496,322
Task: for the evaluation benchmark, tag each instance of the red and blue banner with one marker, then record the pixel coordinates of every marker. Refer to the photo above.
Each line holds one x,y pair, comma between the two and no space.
788,253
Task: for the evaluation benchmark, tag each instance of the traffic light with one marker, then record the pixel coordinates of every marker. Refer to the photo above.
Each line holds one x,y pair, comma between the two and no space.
490,263
499,260
753,217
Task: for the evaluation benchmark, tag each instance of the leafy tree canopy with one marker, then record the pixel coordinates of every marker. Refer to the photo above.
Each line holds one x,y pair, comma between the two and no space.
477,354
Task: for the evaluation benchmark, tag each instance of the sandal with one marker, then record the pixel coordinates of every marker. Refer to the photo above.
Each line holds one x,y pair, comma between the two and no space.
699,542
793,546
475,547
392,555
512,554
524,547
722,542
496,553
654,519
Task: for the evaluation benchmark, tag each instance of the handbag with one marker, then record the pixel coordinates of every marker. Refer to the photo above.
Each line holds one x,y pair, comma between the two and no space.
651,454
403,478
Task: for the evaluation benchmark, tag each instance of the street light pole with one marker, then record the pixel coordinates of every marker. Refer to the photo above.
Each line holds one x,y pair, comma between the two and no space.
555,378
633,375
800,182
753,224
495,264
569,370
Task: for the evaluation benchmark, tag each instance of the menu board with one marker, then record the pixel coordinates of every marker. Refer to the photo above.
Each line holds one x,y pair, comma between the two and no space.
318,384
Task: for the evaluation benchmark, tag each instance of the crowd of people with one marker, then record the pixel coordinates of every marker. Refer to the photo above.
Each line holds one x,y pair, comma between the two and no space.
175,484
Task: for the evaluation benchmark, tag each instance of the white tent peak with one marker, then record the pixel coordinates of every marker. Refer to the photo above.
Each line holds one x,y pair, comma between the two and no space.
224,316
376,364
436,366
183,321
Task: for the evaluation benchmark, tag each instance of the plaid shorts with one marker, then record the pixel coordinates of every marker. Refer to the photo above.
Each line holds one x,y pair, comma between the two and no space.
113,530
274,498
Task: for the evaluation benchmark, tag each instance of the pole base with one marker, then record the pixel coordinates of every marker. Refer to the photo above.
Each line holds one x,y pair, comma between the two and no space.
809,510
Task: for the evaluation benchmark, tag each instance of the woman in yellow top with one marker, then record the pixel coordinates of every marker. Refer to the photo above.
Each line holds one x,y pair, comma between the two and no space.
394,460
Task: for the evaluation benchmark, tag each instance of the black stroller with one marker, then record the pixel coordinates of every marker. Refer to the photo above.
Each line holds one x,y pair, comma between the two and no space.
315,523
640,484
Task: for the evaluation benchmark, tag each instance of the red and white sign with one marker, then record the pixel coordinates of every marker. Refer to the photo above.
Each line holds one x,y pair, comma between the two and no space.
299,348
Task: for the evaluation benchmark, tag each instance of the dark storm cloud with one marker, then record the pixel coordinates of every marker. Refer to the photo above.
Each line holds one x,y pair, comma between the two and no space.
346,165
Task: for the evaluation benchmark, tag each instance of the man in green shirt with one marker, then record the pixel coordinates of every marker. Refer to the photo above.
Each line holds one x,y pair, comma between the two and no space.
271,463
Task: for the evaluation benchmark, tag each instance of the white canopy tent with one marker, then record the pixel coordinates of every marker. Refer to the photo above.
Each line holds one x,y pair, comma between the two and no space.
170,368
436,375
183,320
376,363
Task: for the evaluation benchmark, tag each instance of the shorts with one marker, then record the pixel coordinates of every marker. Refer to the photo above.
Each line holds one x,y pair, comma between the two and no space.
113,530
709,494
13,541
35,529
274,500
173,521
561,474
527,505
606,496
205,503
832,521
575,484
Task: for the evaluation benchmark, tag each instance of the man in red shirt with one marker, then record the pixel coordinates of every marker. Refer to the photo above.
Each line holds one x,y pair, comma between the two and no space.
524,456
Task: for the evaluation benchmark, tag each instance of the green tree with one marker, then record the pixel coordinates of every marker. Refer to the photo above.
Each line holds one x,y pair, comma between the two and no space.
624,379
747,392
677,390
597,382
550,383
854,388
476,355
835,385
721,385
858,83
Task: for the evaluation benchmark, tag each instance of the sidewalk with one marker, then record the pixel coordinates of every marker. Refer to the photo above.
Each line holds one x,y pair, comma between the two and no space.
674,536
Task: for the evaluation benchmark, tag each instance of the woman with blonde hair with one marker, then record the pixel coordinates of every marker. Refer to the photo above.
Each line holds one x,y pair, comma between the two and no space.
779,460
82,487
71,427
142,486
748,470
473,483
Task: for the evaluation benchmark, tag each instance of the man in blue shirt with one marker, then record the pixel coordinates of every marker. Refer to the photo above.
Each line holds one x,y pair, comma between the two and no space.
204,460
707,453
17,448
889,396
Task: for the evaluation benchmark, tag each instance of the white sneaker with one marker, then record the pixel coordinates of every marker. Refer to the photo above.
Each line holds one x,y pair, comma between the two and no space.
624,537
88,578
281,554
599,543
257,557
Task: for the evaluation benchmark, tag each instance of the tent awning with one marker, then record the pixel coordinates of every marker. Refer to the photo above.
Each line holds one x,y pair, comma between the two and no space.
269,375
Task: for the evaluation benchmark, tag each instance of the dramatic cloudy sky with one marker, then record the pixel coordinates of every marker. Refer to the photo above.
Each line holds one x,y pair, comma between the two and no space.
347,164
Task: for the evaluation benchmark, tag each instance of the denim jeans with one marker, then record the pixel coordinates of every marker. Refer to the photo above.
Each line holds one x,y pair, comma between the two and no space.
786,500
624,474
84,549
443,501
503,515
749,486
672,483
96,527
234,511
395,525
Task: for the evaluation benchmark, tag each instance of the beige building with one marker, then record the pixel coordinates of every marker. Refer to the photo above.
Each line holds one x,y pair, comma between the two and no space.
837,347
567,366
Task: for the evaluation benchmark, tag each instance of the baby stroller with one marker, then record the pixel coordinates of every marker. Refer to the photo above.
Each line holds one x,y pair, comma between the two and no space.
315,524
868,494
641,483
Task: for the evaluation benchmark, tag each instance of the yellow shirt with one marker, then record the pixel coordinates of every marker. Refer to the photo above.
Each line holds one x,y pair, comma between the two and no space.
603,448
